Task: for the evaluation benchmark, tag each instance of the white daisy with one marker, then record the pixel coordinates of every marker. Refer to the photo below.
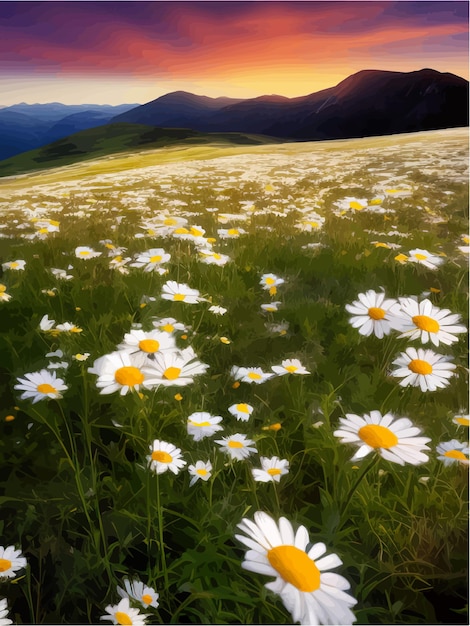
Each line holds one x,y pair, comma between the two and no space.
230,233
68,327
151,260
147,344
201,424
271,307
61,274
270,282
311,593
423,320
394,439
213,258
119,263
289,366
46,324
453,452
217,310
165,456
462,420
11,561
4,620
168,325
200,471
241,411
17,265
237,446
118,371
372,313
179,292
84,252
136,590
174,368
250,374
423,368
423,257
271,469
122,613
41,385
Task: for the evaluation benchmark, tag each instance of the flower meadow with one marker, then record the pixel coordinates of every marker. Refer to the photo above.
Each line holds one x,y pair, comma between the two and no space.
234,389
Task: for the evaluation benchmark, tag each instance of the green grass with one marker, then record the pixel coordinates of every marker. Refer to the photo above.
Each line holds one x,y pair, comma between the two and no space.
111,139
78,497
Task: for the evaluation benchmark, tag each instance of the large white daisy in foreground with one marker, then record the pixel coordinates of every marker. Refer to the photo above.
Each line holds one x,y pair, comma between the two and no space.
427,322
176,368
394,439
423,368
118,371
373,314
311,593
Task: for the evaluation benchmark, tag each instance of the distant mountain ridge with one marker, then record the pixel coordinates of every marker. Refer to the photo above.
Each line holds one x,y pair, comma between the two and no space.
370,102
27,126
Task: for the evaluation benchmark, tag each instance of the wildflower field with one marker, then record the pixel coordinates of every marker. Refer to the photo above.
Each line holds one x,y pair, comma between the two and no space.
234,386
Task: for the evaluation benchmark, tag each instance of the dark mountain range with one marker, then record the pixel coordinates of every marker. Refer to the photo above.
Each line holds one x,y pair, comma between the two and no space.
115,138
174,108
28,126
371,102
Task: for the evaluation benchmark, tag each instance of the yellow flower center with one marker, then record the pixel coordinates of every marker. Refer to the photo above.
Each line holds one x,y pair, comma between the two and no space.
420,257
462,421
380,244
273,291
168,328
455,454
2,288
123,618
199,423
172,373
161,456
291,368
233,231
195,232
313,224
274,471
182,231
401,258
270,281
254,376
147,598
357,206
423,322
14,264
5,565
377,436
376,313
46,388
216,256
110,246
417,366
170,221
235,444
42,231
243,408
84,252
155,259
202,472
295,567
149,345
179,297
128,375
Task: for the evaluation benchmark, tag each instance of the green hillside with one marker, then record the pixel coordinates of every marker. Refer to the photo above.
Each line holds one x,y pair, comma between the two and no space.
115,138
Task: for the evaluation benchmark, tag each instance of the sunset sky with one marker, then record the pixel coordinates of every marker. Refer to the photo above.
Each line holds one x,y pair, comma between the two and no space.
116,52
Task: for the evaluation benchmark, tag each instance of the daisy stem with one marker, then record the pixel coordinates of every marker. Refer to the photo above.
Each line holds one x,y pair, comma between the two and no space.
160,532
384,403
353,489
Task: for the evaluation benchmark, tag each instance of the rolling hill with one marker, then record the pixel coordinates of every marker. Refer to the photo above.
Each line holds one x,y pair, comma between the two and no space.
115,138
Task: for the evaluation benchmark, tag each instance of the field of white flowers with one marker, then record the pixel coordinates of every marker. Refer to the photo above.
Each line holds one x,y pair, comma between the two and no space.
234,386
